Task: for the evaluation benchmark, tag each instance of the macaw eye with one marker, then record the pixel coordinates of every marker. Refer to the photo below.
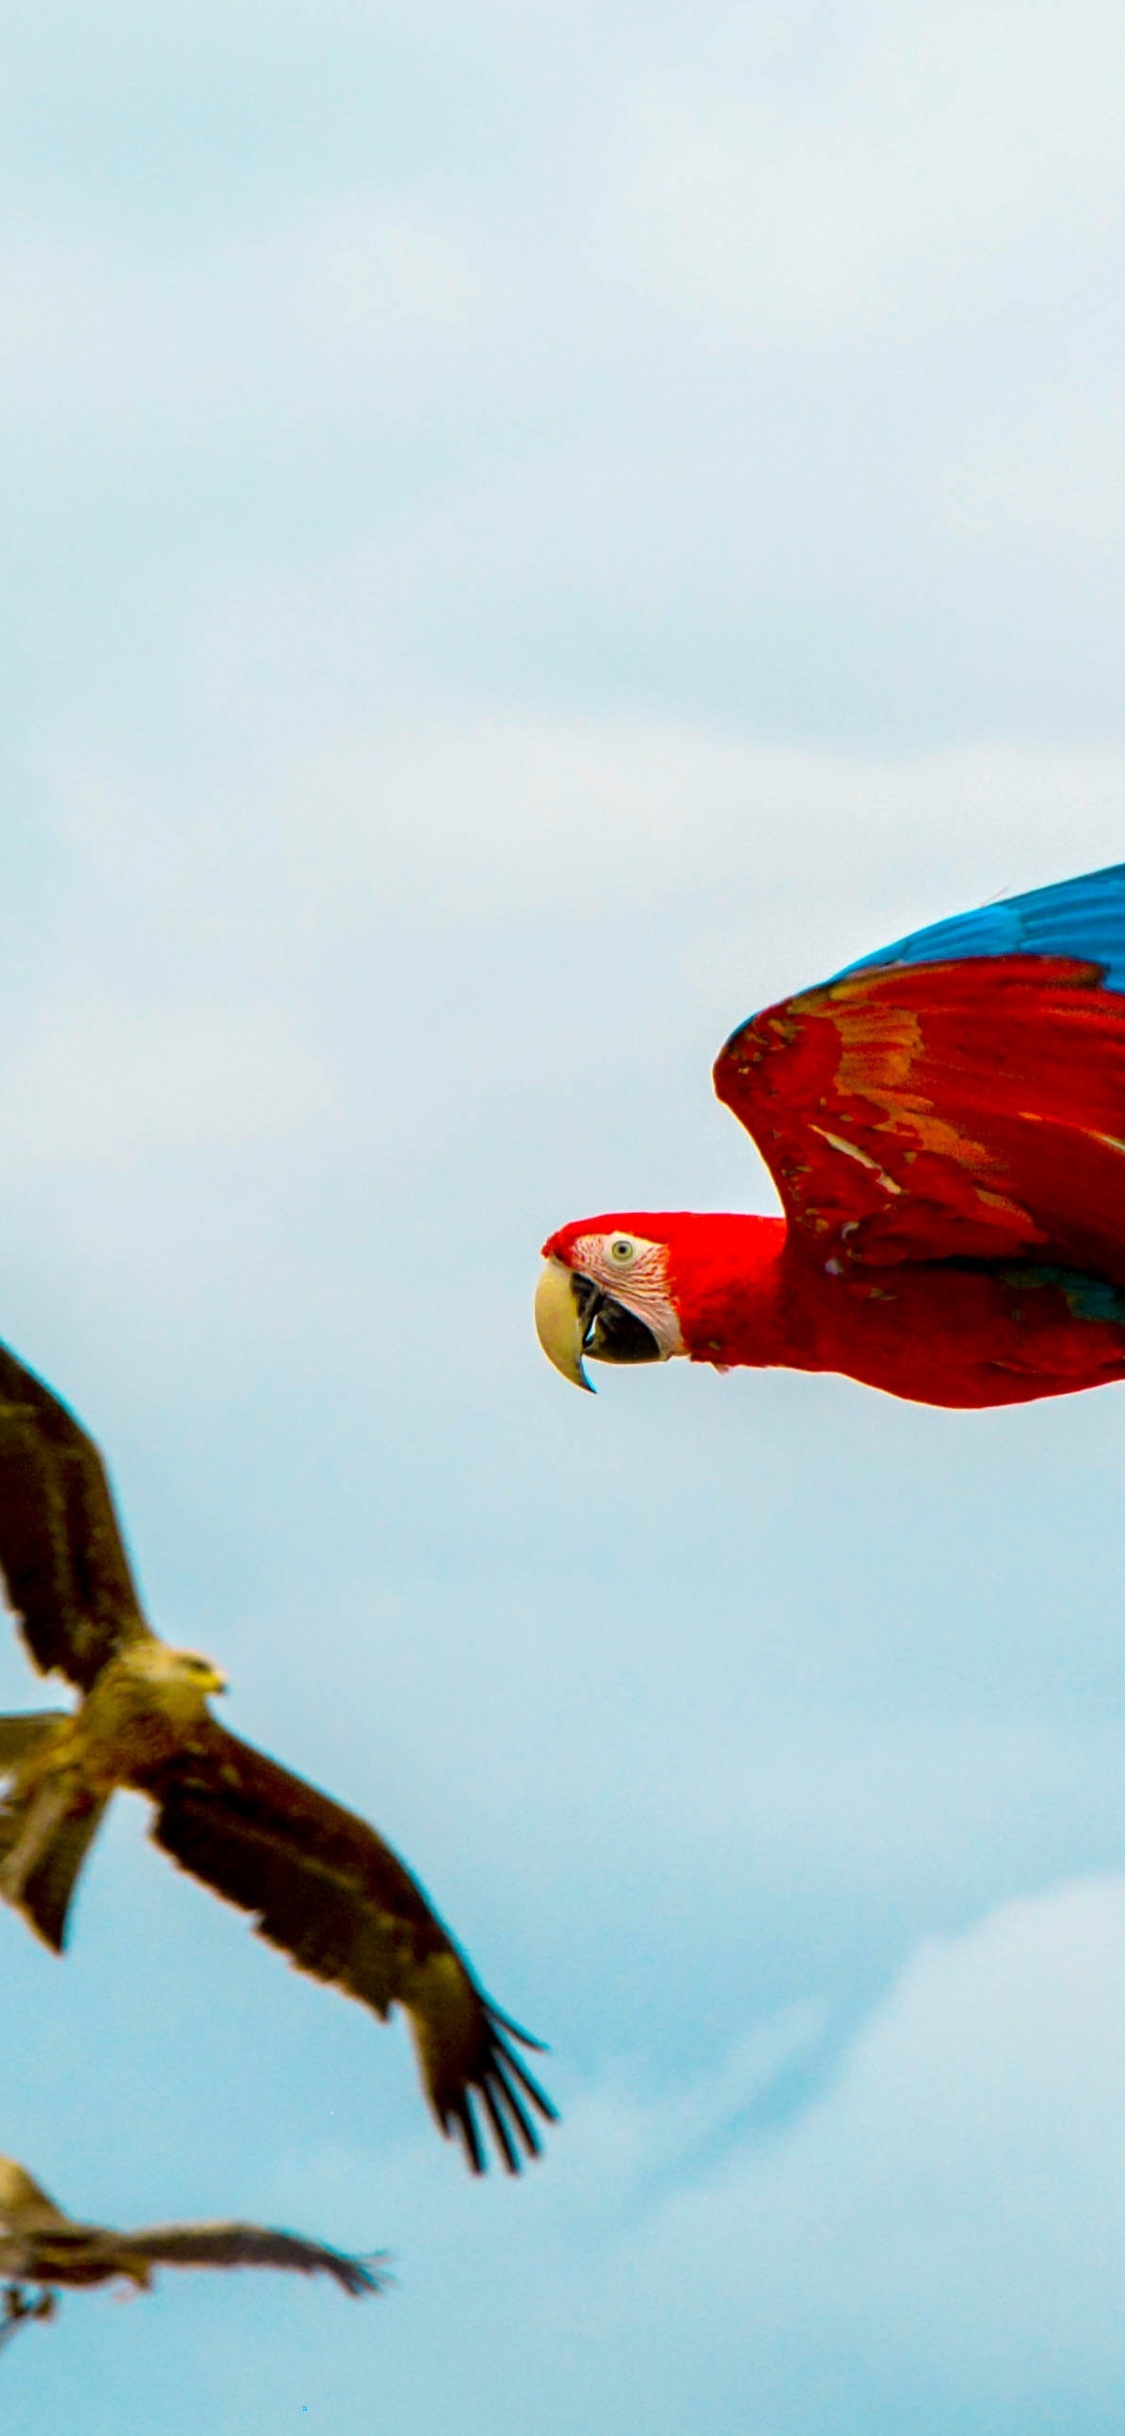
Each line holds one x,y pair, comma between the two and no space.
622,1250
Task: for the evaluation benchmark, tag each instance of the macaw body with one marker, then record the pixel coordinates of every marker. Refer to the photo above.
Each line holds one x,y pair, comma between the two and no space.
945,1122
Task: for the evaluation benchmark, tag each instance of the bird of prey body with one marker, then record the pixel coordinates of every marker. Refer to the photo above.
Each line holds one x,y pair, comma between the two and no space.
44,2251
318,1881
945,1124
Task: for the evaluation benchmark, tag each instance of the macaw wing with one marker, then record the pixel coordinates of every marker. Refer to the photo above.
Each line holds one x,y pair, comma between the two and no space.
326,1889
959,1095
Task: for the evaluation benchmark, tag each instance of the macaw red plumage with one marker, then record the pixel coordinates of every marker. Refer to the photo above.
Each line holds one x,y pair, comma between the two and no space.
945,1123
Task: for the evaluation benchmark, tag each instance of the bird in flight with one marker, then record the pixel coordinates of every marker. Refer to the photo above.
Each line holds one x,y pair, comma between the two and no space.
317,1881
43,2251
945,1125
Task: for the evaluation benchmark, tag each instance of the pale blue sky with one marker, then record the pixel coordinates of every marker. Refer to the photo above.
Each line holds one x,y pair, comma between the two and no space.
528,534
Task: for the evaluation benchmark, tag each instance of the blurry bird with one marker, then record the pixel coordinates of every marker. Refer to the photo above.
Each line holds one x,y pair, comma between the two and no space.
318,1880
43,2251
945,1124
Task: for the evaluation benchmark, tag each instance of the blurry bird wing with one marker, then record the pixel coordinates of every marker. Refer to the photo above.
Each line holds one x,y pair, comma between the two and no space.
326,1889
960,1095
66,1573
238,2245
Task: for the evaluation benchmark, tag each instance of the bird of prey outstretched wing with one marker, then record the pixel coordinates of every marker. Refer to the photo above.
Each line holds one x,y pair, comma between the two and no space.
325,1888
959,1095
40,2245
67,1575
238,2245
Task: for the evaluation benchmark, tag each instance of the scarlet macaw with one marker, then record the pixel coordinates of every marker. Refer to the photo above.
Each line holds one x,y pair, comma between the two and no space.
945,1123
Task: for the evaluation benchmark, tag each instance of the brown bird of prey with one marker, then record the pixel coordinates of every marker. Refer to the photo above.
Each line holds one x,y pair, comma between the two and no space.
318,1880
42,2251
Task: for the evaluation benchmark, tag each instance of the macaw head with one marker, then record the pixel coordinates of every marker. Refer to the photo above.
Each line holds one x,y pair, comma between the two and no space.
605,1292
641,1285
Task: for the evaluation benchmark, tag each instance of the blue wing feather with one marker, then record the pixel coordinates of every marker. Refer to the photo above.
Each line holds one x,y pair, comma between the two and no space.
1084,918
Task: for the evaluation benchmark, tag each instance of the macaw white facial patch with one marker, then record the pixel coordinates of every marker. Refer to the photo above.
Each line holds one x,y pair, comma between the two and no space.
635,1272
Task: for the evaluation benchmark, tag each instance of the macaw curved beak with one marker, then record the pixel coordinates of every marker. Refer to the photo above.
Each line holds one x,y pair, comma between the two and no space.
562,1318
573,1316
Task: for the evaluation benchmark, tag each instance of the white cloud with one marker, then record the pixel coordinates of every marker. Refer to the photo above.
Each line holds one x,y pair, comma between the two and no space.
793,860
348,307
954,2208
108,1083
923,143
1053,473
